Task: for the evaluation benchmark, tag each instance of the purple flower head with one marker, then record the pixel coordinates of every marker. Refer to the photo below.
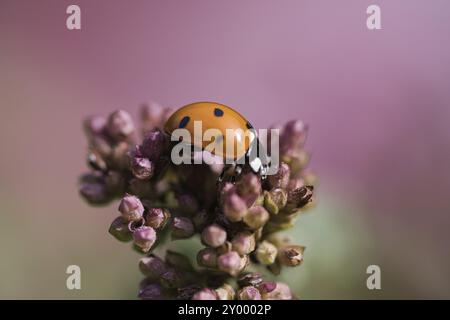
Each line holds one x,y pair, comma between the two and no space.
237,221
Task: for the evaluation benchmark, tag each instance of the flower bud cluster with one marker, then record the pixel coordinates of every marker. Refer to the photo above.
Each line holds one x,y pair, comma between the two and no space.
239,223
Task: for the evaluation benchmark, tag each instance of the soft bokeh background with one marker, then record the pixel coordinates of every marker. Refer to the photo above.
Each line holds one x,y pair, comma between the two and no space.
377,102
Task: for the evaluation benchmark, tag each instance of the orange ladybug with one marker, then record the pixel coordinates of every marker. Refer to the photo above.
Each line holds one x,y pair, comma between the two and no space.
230,127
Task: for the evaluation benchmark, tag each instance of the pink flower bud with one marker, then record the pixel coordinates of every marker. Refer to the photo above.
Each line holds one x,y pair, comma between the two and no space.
280,292
291,255
131,208
256,217
182,227
243,243
154,144
120,125
205,294
142,168
281,178
119,230
207,257
214,236
157,218
144,238
249,293
152,266
234,207
229,262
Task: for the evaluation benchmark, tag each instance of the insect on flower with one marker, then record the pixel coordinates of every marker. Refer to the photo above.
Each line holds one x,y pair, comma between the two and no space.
234,138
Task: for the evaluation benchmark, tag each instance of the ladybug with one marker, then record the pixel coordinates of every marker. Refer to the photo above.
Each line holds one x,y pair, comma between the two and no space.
213,115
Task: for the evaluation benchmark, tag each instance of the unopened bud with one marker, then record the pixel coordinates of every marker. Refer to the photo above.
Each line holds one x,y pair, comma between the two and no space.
152,291
275,200
214,236
152,266
157,218
119,230
151,115
94,126
120,125
154,144
207,257
225,292
249,184
205,294
172,279
243,243
94,192
298,198
142,168
291,255
256,217
144,238
229,262
280,292
266,253
234,207
249,293
131,208
182,228
281,178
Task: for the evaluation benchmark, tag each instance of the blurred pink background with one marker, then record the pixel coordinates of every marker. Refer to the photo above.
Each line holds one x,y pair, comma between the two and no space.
377,103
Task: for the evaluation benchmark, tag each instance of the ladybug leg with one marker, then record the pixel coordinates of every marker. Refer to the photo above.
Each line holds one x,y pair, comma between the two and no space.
237,172
263,172
238,169
223,173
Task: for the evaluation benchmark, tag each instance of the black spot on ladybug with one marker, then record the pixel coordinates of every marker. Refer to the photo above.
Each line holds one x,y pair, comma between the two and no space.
218,112
249,125
184,122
